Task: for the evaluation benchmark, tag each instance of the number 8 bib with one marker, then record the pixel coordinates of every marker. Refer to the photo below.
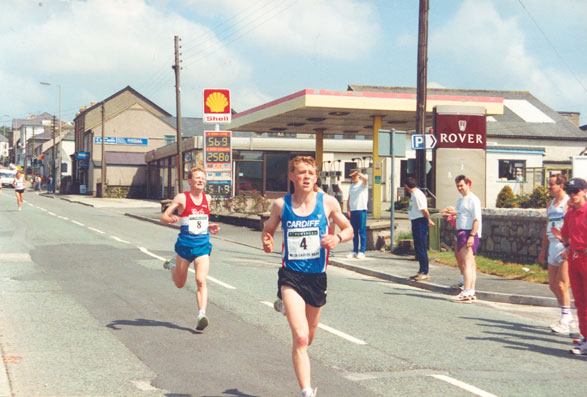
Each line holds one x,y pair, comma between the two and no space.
198,224
303,243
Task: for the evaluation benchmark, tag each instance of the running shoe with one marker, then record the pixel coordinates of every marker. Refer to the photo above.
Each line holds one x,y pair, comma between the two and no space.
202,322
168,264
311,393
420,277
361,255
563,327
580,349
352,255
278,306
462,298
458,285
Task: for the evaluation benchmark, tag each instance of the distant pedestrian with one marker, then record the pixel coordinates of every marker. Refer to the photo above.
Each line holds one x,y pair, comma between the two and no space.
468,225
574,237
357,205
420,219
193,242
558,274
49,184
302,278
19,185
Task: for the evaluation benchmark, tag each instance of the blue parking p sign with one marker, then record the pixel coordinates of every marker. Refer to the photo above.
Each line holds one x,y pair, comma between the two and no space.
418,141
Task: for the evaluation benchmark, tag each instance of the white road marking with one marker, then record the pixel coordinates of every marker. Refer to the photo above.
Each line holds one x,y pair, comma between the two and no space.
223,284
330,329
146,251
62,217
463,385
52,213
78,223
43,209
96,230
120,240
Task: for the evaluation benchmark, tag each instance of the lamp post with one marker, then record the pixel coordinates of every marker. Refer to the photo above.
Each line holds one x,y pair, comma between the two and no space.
6,117
53,155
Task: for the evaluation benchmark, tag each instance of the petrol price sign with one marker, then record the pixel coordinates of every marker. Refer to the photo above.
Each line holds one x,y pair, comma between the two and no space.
218,150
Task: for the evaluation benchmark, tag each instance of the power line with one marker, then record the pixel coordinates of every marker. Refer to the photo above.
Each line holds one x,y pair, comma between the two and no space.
552,46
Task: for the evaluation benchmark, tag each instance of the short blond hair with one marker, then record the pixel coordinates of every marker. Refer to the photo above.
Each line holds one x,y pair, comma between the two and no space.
309,160
195,169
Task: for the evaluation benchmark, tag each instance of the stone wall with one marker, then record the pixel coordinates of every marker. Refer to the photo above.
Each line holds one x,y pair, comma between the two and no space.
508,233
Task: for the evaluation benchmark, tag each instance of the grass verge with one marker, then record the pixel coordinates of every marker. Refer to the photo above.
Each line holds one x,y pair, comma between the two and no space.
527,272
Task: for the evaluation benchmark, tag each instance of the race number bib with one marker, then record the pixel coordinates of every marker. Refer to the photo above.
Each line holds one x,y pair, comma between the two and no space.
303,243
198,224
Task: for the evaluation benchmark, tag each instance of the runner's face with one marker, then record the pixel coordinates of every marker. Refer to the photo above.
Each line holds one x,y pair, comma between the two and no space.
303,177
198,180
463,188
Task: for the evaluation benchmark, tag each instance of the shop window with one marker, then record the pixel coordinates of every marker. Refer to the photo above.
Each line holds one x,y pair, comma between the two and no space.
276,172
512,170
169,139
249,176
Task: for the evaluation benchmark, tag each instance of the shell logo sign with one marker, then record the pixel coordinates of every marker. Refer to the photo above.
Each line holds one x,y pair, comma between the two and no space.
216,106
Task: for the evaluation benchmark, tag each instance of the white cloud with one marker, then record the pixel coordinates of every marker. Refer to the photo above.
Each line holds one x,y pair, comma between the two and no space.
483,46
342,29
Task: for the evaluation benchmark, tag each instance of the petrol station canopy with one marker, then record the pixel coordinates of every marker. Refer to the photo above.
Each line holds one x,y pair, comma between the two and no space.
352,111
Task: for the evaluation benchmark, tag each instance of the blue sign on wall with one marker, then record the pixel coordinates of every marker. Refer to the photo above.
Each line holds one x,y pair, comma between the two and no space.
112,140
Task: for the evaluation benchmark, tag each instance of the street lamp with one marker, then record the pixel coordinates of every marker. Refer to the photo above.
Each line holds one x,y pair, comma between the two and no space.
53,168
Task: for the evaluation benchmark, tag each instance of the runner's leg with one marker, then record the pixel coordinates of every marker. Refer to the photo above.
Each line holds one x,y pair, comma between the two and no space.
202,264
179,272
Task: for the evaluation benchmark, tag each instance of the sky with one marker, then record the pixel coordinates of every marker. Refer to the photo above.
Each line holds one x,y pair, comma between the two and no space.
266,49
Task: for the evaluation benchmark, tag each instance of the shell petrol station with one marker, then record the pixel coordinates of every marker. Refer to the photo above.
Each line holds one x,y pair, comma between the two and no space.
458,122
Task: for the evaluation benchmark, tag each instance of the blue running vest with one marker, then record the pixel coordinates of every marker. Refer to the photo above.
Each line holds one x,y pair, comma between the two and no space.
301,238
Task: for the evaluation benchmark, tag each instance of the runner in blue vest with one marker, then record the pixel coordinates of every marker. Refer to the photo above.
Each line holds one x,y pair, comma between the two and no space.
306,244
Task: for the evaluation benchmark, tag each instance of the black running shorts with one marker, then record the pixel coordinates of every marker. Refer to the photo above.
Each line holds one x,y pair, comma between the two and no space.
310,286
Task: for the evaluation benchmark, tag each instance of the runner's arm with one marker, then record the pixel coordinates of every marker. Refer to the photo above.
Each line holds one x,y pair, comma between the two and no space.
271,225
177,203
334,212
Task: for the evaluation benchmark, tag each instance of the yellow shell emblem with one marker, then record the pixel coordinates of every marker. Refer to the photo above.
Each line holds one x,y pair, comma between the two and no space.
217,101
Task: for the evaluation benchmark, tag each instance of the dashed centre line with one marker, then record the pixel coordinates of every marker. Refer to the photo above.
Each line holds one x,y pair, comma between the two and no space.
96,230
78,223
120,240
463,385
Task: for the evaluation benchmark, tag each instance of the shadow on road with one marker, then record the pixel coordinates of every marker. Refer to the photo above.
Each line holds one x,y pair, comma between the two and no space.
142,322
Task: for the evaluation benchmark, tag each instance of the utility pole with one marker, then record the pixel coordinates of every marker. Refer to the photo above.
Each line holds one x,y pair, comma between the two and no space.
53,158
422,91
177,68
103,157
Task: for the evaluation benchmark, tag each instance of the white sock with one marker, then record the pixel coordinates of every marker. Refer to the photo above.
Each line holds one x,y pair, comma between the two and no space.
307,391
201,313
468,292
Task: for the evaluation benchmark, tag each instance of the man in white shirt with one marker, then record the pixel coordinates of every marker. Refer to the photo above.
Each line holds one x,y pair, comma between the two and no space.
420,218
468,225
357,212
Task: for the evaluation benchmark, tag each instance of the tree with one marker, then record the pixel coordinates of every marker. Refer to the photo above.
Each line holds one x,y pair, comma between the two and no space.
506,198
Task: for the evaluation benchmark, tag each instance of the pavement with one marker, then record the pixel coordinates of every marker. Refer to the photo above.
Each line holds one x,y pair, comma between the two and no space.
382,265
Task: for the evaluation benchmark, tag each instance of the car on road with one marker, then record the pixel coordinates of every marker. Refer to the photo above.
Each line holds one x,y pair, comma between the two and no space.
7,177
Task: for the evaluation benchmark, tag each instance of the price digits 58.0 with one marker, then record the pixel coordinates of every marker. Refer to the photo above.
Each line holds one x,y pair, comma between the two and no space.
218,157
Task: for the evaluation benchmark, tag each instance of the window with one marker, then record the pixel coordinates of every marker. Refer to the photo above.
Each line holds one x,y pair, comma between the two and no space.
512,170
276,171
348,167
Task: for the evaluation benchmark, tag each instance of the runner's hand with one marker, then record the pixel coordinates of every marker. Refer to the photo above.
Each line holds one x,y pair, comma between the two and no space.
329,241
213,228
267,243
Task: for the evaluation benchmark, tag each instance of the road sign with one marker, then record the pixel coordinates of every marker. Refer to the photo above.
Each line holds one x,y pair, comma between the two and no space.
418,141
217,106
391,139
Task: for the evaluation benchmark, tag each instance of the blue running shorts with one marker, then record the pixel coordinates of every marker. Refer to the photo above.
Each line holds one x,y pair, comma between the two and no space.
192,252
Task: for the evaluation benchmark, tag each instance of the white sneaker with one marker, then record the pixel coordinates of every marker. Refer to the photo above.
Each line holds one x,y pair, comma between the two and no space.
562,327
360,255
202,322
352,255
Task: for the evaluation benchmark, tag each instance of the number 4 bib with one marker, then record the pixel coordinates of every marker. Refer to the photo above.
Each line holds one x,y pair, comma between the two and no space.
198,224
303,243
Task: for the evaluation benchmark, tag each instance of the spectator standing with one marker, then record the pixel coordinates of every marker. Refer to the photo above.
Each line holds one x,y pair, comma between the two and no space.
420,219
357,212
558,275
574,237
468,225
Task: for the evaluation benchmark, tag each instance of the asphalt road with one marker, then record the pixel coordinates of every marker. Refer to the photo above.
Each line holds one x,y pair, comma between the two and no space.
86,309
